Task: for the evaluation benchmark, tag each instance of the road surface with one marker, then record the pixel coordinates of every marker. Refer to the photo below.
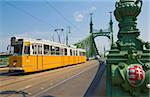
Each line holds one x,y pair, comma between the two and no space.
71,81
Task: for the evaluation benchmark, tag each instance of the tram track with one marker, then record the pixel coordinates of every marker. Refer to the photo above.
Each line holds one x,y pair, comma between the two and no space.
52,84
47,79
36,94
10,76
35,77
22,80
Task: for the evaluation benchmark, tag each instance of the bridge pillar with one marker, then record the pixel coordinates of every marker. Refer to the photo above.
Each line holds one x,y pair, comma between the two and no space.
128,61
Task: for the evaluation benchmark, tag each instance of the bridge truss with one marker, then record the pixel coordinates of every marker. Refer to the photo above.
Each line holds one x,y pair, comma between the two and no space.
89,43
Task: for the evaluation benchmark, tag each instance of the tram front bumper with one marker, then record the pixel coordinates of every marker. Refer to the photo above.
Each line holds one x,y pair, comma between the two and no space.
15,68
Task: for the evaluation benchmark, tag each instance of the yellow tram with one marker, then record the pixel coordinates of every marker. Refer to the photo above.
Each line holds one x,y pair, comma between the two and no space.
35,55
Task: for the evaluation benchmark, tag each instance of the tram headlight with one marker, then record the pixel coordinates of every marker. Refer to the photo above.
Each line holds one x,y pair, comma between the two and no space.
14,63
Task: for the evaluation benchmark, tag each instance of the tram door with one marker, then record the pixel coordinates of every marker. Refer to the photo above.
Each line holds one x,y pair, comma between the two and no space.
39,57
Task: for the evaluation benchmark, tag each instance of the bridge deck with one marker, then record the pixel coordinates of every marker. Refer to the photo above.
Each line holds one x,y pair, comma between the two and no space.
69,81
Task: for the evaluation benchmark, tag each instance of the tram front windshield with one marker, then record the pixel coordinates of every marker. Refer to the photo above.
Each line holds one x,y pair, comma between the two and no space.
17,49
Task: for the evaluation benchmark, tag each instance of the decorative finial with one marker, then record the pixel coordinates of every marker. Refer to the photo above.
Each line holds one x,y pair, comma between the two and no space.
110,15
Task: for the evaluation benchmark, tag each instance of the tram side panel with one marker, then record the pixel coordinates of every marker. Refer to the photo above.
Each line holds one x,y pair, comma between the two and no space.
79,59
75,60
66,60
46,62
31,63
38,63
83,59
26,63
71,59
51,62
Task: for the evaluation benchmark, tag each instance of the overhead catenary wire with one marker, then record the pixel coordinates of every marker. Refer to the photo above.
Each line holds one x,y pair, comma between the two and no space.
29,14
59,13
39,19
66,19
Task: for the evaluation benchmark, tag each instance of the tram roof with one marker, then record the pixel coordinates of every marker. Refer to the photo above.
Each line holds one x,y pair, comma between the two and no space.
43,41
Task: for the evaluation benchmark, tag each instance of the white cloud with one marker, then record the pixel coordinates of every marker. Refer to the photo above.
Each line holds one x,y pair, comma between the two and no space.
79,15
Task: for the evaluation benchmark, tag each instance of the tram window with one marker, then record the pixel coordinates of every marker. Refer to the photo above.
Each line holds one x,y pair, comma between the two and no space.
34,49
57,50
52,50
70,52
76,53
61,51
65,51
80,53
46,49
18,49
27,49
39,49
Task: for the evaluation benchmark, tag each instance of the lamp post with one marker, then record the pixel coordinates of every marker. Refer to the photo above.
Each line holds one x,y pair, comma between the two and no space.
68,32
56,30
128,64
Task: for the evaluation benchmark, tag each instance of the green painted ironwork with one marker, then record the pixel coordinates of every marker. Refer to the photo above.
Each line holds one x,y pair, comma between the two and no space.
89,44
128,52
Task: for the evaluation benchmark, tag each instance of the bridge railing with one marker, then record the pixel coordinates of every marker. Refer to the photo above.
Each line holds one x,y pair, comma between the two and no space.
4,60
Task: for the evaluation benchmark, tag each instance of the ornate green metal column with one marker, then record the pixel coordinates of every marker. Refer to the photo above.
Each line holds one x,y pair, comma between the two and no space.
128,61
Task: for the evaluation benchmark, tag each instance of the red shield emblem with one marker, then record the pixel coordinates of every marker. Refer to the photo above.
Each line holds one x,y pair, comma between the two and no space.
135,75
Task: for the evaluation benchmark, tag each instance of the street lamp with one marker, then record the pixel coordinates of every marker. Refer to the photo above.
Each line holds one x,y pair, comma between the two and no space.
56,30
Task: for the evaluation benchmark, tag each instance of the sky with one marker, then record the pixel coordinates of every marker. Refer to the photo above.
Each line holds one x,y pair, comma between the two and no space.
39,18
